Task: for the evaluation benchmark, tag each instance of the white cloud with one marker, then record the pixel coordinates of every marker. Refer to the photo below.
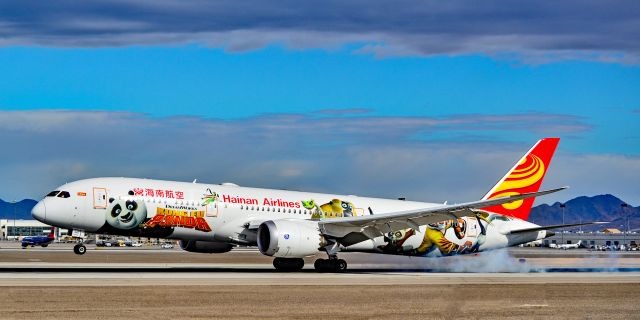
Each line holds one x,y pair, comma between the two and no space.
352,153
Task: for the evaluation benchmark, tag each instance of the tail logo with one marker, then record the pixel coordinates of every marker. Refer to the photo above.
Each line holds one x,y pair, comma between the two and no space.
528,172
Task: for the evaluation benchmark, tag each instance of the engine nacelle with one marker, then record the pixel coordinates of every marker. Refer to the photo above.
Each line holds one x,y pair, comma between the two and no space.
205,246
289,238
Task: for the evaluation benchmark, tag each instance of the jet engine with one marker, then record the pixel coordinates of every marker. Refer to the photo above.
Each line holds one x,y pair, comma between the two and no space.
288,238
205,246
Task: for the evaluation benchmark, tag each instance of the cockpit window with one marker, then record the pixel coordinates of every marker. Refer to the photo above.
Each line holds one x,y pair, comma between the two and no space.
52,193
64,194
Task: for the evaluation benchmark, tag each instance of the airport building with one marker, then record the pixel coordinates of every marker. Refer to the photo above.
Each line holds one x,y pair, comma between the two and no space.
14,229
607,237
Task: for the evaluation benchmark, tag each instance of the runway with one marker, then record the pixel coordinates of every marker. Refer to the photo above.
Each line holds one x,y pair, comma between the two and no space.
262,295
145,283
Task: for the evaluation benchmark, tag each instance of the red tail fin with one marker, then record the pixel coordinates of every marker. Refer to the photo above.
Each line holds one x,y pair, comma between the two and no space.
525,176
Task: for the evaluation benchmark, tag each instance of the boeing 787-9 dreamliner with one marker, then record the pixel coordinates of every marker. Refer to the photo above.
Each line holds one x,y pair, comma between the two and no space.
290,225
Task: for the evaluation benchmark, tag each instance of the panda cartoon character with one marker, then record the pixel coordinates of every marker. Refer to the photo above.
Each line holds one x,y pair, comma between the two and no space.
125,214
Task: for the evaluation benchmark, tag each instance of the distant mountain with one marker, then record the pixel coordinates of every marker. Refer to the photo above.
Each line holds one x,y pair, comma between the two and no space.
22,209
598,208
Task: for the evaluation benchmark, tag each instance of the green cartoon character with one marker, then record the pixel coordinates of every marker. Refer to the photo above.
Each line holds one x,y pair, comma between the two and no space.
209,197
309,205
312,207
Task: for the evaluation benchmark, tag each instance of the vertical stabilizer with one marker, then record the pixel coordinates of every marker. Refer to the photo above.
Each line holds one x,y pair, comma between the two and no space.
525,176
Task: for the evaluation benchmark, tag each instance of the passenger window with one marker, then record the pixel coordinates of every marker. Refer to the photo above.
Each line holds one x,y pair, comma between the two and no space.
52,193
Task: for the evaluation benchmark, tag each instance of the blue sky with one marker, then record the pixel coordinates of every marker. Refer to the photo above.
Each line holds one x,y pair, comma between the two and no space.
420,77
209,82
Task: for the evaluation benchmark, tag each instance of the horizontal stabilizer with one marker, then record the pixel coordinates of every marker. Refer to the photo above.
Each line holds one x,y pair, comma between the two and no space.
557,226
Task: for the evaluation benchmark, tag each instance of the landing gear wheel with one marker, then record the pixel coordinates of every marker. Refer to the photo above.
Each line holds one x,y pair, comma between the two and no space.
331,265
341,265
79,249
288,264
320,265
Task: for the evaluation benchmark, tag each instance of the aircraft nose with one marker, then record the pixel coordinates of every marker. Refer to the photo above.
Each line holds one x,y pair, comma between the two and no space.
39,212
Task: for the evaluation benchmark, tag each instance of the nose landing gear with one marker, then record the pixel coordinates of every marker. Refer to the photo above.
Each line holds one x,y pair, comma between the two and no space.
79,249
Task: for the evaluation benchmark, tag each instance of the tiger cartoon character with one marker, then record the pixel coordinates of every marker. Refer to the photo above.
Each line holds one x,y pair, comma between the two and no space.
434,238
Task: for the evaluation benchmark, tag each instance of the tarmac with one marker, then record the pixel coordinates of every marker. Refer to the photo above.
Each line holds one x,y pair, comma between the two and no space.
150,283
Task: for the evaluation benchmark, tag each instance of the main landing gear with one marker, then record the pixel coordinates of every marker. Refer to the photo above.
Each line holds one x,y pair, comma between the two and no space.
288,264
79,249
333,264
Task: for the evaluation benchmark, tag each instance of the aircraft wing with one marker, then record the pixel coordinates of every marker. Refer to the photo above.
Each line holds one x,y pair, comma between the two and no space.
357,229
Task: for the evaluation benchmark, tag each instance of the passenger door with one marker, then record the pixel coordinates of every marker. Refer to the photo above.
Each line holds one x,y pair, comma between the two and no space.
473,229
212,209
99,198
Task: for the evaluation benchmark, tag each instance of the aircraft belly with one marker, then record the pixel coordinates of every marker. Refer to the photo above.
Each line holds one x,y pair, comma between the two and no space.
189,234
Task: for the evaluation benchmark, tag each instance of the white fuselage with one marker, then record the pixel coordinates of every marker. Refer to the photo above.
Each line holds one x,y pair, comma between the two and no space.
230,214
